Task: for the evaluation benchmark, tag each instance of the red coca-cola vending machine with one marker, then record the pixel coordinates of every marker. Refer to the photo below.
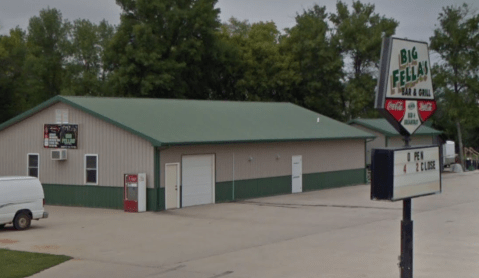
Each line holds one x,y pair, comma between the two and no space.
134,192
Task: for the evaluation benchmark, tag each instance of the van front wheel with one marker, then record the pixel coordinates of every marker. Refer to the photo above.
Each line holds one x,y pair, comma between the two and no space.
22,221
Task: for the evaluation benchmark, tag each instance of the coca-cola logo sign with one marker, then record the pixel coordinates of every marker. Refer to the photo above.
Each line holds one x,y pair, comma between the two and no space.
396,108
426,108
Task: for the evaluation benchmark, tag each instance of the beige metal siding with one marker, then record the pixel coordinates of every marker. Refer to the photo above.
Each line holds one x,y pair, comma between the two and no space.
118,151
318,156
419,140
378,142
397,141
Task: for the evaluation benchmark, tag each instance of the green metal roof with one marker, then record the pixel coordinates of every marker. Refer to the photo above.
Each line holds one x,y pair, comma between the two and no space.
384,127
176,122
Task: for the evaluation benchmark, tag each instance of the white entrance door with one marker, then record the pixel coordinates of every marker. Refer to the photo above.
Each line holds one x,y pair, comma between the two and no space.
297,177
198,180
172,176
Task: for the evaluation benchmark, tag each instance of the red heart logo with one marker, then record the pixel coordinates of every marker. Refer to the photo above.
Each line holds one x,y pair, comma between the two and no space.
396,108
426,108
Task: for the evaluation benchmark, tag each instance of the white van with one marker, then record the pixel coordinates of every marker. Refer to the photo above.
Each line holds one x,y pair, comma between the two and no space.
21,200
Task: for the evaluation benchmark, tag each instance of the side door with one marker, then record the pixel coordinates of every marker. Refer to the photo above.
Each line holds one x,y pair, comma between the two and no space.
172,185
297,174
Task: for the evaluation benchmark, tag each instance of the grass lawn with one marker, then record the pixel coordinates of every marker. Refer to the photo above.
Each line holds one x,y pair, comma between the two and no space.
17,264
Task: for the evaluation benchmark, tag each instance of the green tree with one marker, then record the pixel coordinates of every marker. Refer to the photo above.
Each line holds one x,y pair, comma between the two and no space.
48,44
257,68
105,33
53,57
266,72
229,66
359,35
162,48
235,28
455,78
85,66
316,63
13,51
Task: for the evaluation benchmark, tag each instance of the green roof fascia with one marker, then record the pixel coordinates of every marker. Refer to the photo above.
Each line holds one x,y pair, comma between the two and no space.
387,133
267,141
59,98
420,134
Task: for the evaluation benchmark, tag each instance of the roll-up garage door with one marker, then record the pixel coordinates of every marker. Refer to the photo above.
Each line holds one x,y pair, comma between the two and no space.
198,179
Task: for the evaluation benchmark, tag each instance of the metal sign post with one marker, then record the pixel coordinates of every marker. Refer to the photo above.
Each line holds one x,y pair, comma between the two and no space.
406,240
405,98
405,262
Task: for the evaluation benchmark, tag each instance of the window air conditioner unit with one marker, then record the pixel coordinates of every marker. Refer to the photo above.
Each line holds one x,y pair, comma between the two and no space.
59,154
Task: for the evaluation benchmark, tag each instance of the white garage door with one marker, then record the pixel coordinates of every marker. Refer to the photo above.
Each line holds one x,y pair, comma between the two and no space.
198,179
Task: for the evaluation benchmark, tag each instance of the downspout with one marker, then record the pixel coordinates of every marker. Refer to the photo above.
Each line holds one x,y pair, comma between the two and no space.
157,177
365,154
366,179
387,141
233,191
365,149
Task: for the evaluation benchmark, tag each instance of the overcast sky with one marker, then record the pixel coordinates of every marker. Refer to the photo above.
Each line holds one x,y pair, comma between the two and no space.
416,18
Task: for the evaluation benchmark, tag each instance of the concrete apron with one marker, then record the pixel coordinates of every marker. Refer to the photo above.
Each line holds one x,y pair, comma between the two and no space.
329,233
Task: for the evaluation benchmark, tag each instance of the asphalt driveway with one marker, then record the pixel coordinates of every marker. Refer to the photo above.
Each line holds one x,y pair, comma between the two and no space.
329,233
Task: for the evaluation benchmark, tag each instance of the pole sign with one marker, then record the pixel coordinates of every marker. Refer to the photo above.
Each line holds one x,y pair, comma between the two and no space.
406,99
402,173
405,95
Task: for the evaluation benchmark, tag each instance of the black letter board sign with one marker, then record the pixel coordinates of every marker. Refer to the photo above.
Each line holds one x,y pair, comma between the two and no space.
63,136
402,173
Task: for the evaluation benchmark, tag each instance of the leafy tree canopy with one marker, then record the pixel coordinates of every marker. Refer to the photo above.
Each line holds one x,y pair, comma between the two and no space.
48,48
13,51
455,78
358,34
316,62
161,48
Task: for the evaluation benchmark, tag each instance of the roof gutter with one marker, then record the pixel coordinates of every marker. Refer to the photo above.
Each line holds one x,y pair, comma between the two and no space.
164,144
